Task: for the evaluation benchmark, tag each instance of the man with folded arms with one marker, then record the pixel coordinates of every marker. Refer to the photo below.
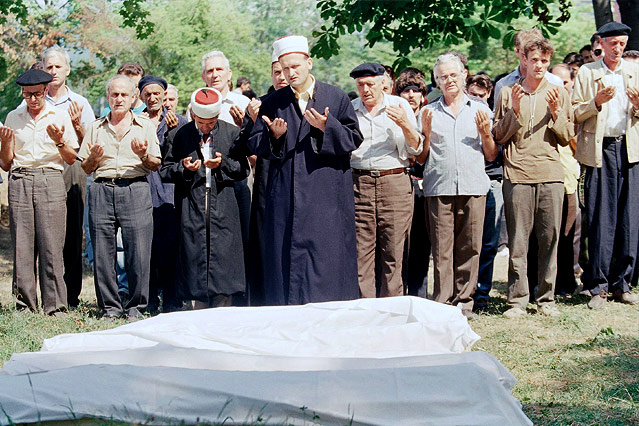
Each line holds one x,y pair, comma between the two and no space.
37,140
383,190
121,149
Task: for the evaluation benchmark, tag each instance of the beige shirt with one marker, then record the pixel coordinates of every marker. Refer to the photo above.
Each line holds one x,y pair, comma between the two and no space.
119,160
303,97
531,140
34,148
571,169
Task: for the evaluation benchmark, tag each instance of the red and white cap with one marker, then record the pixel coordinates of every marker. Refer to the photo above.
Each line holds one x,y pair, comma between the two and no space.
206,102
290,44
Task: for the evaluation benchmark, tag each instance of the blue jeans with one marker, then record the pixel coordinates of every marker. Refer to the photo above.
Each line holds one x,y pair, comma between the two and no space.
490,241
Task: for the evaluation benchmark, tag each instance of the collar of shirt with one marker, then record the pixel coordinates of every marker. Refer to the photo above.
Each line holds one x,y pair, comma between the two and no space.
609,71
64,98
441,104
48,109
135,119
308,93
362,108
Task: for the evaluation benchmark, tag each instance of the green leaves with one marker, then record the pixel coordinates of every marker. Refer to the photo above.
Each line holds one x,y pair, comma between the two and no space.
135,16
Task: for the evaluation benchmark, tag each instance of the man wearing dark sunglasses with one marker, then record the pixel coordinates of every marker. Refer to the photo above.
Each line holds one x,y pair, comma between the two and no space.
606,103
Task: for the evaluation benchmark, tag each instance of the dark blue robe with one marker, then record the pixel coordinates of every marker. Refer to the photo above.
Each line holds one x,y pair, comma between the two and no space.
309,223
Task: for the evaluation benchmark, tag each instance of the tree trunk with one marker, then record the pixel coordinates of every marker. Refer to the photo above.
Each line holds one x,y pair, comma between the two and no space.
603,12
630,16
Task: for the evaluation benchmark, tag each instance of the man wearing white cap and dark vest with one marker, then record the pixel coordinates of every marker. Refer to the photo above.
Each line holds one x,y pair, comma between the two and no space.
37,140
606,102
307,131
121,149
383,188
203,162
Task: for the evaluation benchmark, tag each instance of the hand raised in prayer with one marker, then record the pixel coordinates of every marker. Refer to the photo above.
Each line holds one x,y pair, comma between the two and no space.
213,163
75,112
56,133
604,94
171,120
277,126
427,121
191,165
482,120
254,109
398,115
633,96
139,147
237,114
554,104
518,94
316,119
95,152
6,135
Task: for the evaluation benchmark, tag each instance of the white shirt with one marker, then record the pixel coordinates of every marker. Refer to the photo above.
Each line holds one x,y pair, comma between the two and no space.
33,146
64,102
207,154
384,146
229,100
617,106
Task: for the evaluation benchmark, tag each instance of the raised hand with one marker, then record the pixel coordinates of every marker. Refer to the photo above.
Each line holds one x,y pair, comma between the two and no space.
213,163
171,120
254,109
56,133
604,94
518,94
95,152
554,103
277,126
237,114
191,165
398,115
75,112
316,119
6,135
482,120
633,96
427,121
139,147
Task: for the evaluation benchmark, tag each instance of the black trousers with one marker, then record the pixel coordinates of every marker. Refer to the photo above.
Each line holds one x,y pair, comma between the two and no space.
75,181
612,204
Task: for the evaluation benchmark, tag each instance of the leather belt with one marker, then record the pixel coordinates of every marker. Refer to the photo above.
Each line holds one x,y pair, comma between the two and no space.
121,181
613,139
380,173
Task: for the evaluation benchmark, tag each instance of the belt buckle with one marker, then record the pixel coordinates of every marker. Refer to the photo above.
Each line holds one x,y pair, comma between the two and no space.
619,138
376,173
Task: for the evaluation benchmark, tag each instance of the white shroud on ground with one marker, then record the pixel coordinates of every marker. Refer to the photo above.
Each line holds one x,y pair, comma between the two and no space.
396,361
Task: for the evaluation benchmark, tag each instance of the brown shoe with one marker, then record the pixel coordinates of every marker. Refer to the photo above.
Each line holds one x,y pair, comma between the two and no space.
597,301
626,298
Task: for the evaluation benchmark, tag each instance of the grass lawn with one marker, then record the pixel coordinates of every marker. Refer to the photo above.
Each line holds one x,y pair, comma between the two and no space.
581,368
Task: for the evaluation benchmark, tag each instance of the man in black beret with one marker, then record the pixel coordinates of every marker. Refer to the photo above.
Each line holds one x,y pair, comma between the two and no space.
382,187
606,103
37,140
165,220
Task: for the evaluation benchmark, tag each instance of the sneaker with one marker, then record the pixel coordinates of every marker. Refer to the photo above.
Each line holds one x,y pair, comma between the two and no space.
626,298
597,301
549,310
514,313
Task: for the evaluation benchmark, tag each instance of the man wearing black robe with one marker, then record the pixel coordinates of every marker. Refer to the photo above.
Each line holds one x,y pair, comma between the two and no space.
307,131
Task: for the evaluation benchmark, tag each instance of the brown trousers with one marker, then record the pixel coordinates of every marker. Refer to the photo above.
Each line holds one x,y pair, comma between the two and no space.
37,211
383,212
455,225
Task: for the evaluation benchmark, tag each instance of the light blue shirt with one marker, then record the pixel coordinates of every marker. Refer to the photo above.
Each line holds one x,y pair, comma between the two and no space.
514,77
455,163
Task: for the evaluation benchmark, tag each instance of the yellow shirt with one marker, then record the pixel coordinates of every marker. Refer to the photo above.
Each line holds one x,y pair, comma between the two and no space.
34,148
119,160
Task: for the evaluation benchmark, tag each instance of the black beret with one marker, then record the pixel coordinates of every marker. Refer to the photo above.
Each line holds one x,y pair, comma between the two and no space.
367,69
612,29
33,78
149,79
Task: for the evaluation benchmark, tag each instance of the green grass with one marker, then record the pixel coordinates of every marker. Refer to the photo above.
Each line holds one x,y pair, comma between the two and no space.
581,368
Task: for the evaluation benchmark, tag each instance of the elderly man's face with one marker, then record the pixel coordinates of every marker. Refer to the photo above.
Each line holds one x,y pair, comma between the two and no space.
370,90
450,79
121,96
296,68
216,74
414,98
204,124
34,96
387,85
277,76
564,75
58,68
171,99
613,47
153,96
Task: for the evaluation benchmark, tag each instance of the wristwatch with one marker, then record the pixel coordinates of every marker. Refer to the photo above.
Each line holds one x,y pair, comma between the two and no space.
60,145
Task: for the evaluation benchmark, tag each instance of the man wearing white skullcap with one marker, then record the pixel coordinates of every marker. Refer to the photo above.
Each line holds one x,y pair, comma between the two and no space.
204,163
307,130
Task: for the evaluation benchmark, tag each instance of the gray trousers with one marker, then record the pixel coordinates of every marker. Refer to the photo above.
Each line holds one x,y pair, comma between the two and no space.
129,208
37,211
532,207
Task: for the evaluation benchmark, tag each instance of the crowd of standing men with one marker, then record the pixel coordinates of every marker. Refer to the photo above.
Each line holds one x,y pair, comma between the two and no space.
304,195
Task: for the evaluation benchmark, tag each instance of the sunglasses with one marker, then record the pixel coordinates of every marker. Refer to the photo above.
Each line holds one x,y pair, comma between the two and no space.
597,52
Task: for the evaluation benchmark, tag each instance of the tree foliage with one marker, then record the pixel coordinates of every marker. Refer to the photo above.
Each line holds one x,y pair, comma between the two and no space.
420,24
